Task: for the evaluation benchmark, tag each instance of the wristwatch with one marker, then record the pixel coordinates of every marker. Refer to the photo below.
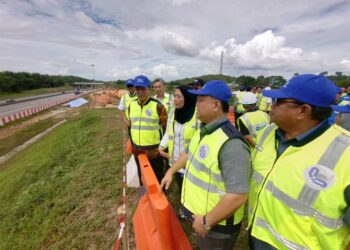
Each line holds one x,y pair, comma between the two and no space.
206,225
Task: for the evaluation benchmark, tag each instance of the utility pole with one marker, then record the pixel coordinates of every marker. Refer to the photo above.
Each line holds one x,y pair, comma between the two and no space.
222,59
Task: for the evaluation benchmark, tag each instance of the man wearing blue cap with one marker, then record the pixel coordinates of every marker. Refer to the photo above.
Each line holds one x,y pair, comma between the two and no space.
299,194
127,98
216,177
148,120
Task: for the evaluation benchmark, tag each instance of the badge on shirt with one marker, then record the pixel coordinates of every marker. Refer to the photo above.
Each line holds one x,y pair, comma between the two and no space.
203,151
149,112
319,177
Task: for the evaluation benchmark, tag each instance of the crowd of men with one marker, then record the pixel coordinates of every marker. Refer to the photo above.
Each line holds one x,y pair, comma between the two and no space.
286,157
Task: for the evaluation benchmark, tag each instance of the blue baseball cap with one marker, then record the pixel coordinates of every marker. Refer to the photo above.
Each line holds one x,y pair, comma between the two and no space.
129,82
315,90
214,88
341,109
141,81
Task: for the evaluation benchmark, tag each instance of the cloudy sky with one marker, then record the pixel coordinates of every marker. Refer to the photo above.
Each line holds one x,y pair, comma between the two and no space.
174,38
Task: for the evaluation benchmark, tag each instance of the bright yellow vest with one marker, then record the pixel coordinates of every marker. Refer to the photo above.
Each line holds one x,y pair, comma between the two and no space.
255,121
126,99
296,201
145,129
203,186
168,102
240,108
190,128
264,105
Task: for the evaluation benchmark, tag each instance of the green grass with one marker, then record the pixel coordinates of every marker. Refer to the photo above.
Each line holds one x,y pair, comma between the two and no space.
9,143
63,191
34,92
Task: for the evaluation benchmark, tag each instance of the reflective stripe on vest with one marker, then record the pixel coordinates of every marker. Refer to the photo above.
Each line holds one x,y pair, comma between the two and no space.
145,129
204,185
289,244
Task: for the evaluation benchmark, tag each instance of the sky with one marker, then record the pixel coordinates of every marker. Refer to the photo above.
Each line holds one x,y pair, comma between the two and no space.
174,39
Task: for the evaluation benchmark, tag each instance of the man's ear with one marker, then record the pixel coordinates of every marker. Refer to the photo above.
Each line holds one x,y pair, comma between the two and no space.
304,111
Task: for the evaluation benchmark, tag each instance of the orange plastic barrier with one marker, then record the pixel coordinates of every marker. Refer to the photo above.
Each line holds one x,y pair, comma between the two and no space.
231,115
156,226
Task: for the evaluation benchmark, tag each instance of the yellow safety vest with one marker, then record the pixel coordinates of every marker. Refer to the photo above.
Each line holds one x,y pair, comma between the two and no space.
264,105
297,201
145,130
190,128
255,121
126,99
203,186
167,101
240,108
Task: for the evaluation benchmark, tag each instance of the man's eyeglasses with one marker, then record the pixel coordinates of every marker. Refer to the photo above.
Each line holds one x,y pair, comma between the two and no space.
278,101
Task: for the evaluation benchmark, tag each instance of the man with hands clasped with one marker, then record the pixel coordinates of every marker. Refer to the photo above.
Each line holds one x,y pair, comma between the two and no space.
217,171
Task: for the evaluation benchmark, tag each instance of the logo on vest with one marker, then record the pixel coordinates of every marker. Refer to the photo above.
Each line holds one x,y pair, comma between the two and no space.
319,177
203,152
148,112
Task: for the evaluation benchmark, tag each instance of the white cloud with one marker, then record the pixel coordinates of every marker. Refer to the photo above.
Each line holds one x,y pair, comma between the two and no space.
263,51
176,44
162,69
346,63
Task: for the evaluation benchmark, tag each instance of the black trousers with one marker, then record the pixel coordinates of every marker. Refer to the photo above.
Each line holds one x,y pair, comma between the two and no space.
157,165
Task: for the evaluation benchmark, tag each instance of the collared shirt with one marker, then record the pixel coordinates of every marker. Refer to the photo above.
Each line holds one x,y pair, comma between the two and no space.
234,159
300,140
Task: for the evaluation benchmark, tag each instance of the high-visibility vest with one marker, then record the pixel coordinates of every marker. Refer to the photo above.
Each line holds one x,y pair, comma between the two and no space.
145,130
344,100
264,106
203,186
296,201
240,108
255,121
258,98
190,128
167,101
126,99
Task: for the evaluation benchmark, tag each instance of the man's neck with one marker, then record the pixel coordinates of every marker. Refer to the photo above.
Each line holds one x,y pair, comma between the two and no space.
300,129
144,101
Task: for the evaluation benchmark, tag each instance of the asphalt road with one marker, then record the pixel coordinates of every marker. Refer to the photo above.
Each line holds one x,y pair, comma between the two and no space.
21,106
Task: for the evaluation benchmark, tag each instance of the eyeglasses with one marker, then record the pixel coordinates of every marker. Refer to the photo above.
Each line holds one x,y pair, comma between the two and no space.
278,101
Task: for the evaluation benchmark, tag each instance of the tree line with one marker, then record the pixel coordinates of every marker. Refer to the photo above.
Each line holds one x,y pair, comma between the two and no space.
20,81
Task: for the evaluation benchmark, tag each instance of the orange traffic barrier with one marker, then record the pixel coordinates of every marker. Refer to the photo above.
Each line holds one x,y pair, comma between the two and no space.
231,115
156,226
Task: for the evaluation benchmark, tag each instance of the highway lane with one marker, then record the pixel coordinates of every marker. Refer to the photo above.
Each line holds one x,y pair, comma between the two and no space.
21,106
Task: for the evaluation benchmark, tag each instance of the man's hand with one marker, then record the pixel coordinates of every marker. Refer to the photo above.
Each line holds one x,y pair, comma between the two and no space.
163,153
127,123
198,225
166,181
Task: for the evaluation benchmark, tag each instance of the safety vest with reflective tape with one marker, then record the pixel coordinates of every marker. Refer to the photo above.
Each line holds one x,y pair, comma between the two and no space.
126,99
296,201
145,130
190,128
264,106
203,186
167,101
255,121
240,108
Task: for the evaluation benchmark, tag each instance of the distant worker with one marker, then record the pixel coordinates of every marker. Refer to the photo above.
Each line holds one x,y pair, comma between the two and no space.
182,124
253,120
166,99
217,171
239,109
148,120
127,98
343,117
197,83
265,102
345,99
299,194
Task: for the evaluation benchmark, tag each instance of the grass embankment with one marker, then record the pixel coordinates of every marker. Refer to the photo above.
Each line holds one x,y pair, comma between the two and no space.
9,143
34,92
62,192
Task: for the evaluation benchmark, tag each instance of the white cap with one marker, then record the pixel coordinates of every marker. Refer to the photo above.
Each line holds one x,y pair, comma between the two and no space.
249,98
267,88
